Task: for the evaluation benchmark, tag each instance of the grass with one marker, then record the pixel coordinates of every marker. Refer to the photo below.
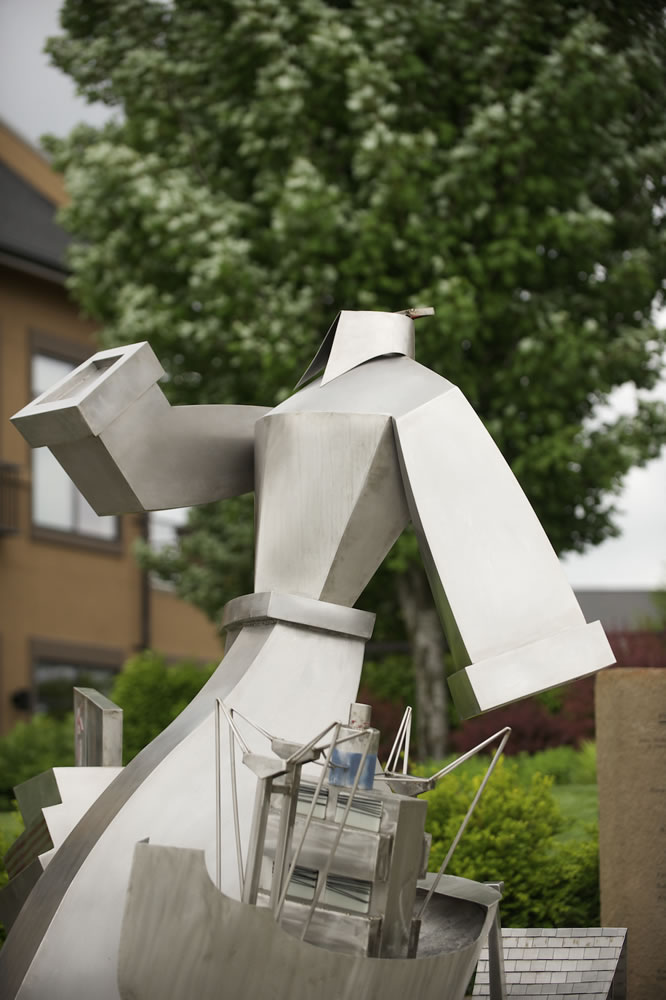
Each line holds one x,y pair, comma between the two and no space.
580,806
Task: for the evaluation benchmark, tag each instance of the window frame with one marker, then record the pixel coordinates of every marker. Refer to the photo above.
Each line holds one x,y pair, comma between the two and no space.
70,654
71,352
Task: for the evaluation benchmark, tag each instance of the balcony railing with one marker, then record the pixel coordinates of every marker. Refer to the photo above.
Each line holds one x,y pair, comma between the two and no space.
9,494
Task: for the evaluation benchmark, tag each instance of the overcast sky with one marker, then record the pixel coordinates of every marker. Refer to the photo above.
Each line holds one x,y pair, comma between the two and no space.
35,98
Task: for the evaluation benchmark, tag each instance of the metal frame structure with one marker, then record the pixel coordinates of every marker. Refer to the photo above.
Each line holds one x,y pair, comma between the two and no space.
338,470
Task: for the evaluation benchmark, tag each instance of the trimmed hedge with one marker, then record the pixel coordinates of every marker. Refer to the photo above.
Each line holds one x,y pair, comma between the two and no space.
512,838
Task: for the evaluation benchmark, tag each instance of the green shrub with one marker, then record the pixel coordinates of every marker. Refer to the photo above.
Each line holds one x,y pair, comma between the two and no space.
4,847
33,747
570,884
585,767
11,825
151,695
565,765
511,839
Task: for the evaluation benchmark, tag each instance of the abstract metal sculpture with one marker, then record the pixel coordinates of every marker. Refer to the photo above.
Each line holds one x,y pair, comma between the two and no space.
338,470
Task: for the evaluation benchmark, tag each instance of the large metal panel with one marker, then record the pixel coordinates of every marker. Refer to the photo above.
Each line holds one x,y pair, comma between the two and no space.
289,679
329,504
338,469
225,949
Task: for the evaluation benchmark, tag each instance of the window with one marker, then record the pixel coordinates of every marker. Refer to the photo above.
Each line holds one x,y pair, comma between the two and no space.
166,526
54,684
56,503
58,667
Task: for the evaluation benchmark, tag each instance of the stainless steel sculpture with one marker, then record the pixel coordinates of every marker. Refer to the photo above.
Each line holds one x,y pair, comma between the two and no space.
338,470
335,863
254,957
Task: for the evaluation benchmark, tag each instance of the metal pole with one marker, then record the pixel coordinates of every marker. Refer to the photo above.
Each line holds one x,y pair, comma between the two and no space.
395,749
313,805
408,733
234,802
218,801
465,821
323,875
468,754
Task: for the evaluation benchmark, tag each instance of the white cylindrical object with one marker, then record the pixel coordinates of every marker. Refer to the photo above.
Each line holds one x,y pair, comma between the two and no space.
359,716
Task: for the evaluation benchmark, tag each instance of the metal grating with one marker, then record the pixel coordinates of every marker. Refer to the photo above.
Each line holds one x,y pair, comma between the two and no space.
564,963
9,492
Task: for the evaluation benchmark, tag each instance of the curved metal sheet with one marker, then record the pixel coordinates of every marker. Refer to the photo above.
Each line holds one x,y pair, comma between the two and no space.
339,468
358,336
181,937
259,608
64,944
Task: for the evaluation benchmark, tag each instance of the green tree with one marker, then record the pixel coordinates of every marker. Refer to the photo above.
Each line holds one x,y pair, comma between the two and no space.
151,695
273,162
512,836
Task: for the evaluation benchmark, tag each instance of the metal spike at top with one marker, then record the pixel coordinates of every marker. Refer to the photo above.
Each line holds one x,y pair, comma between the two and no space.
417,312
358,336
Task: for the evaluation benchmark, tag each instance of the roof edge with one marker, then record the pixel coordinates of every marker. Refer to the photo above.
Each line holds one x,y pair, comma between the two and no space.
31,165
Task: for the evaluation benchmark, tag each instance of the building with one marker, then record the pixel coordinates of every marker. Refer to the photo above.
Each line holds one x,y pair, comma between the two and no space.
632,622
73,603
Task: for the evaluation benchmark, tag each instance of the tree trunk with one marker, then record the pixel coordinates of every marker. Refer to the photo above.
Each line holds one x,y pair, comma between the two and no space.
428,649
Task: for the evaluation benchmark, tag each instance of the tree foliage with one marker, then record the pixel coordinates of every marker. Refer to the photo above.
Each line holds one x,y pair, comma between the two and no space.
32,747
274,162
152,694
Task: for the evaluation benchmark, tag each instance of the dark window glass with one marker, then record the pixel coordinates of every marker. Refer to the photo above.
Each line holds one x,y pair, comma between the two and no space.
54,683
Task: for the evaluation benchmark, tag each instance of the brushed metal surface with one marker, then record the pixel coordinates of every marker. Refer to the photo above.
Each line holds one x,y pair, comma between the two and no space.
557,659
260,608
113,431
61,796
182,938
338,469
358,336
290,680
494,575
329,502
357,934
359,855
14,894
87,400
98,730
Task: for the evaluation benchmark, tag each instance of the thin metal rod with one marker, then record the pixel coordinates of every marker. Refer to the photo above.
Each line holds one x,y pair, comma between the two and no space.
234,803
229,718
467,755
323,874
254,725
408,733
466,819
308,819
395,749
302,751
325,746
218,801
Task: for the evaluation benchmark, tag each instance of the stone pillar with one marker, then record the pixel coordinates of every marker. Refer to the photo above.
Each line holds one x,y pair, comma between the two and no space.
631,766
